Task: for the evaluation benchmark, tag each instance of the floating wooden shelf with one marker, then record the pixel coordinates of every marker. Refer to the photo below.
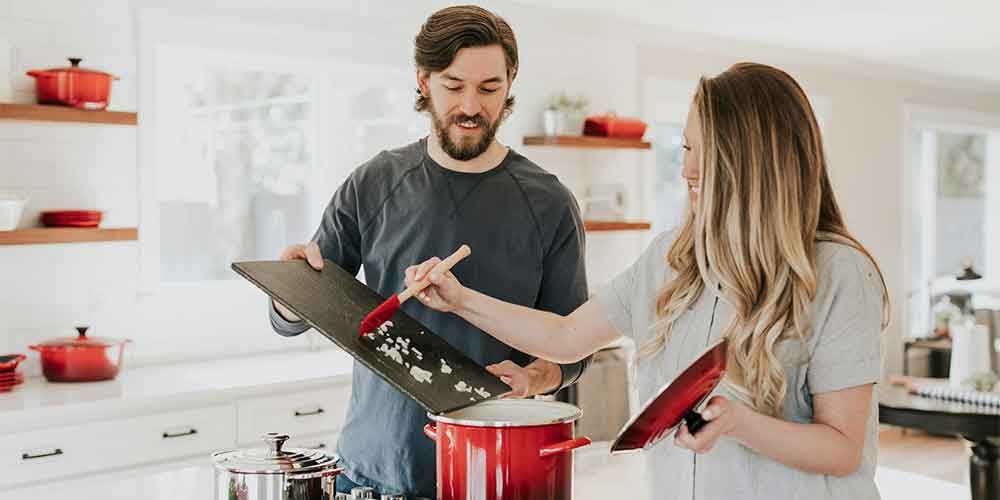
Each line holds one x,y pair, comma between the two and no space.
600,225
585,141
47,235
46,113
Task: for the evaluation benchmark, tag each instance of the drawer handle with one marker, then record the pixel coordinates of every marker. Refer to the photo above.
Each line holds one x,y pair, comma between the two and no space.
167,435
56,452
317,411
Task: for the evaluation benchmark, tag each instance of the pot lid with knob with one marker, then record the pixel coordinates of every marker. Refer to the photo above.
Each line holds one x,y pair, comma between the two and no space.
273,458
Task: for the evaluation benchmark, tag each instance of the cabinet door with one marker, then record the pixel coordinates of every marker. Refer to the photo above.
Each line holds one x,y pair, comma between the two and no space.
299,414
68,451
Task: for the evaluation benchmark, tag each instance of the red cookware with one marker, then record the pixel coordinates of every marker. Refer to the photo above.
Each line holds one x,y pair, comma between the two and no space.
73,86
81,358
506,449
9,362
676,402
71,218
612,125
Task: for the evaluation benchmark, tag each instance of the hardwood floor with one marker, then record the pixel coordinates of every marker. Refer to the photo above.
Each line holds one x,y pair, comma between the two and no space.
942,458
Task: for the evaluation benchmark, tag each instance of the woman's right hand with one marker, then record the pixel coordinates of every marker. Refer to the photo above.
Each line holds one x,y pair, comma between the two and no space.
445,293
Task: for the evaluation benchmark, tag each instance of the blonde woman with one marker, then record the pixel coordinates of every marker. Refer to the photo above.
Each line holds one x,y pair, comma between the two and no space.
763,259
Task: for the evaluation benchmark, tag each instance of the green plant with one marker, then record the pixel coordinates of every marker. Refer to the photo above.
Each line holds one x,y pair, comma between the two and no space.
564,103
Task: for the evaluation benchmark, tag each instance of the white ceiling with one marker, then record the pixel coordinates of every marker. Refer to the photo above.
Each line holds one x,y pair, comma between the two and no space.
953,38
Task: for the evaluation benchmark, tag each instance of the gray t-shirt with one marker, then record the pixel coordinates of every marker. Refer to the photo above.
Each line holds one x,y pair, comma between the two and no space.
401,208
842,351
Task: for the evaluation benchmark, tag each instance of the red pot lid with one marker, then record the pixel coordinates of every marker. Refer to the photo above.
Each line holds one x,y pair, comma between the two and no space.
663,413
81,341
74,67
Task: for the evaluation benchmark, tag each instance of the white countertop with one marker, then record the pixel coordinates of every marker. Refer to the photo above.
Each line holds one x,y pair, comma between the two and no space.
38,403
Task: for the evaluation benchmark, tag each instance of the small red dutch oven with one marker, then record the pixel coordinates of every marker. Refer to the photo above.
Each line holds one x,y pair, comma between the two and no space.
73,86
506,449
81,358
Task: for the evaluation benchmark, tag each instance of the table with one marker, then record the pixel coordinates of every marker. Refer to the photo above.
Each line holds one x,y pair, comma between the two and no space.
979,425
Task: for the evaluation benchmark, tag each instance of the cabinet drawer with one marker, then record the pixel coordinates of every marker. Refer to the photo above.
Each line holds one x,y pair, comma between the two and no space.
98,446
325,442
299,414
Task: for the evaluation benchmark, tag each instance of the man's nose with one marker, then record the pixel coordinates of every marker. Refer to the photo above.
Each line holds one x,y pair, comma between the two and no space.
470,104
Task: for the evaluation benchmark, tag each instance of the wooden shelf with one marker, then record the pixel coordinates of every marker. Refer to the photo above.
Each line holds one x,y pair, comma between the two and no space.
46,113
48,235
584,141
599,225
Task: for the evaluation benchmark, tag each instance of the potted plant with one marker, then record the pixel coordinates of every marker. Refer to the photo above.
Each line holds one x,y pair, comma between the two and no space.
564,115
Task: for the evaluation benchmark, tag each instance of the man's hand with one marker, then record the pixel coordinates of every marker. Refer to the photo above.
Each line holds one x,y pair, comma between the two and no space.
309,253
540,377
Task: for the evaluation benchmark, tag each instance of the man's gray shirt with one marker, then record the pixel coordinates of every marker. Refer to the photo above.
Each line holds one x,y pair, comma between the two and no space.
401,208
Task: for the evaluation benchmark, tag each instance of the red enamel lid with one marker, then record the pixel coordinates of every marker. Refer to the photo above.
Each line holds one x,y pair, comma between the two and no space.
664,412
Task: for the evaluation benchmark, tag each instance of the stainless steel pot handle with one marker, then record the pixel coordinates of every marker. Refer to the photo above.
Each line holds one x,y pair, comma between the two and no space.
190,432
53,453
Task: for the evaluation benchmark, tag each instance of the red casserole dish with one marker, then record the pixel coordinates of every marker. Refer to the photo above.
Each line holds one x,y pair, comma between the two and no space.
73,86
9,362
676,402
72,218
80,358
611,125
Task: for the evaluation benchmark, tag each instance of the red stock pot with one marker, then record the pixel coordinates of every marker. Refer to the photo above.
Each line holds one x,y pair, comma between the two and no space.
506,449
80,358
73,86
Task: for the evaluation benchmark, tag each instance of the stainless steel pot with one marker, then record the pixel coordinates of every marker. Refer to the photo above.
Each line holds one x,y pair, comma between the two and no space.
273,473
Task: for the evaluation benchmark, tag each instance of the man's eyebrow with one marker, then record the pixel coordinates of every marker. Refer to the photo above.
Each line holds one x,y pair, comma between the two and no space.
450,77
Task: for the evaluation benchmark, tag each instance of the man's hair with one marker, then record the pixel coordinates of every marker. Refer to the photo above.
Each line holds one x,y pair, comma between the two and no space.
454,28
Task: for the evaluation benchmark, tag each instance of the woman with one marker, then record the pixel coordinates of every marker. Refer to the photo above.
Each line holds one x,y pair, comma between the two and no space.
763,259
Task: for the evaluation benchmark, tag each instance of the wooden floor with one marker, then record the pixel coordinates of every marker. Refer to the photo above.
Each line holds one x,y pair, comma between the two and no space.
942,458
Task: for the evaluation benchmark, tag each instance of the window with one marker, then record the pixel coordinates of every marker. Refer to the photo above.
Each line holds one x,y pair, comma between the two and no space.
249,154
954,215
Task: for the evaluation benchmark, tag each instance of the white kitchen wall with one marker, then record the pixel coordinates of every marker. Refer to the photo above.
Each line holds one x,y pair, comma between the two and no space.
48,289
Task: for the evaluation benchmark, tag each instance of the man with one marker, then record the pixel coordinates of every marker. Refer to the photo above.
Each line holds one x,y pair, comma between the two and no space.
458,185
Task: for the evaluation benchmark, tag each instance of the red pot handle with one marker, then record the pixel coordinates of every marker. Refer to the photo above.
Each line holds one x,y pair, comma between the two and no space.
560,448
430,430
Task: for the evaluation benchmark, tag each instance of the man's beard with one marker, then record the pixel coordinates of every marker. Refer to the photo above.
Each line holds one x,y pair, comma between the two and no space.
463,150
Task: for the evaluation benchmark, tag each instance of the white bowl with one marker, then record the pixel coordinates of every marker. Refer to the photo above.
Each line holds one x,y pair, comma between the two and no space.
10,212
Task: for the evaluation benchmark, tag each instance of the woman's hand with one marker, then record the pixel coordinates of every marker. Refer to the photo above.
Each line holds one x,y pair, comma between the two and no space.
722,417
445,292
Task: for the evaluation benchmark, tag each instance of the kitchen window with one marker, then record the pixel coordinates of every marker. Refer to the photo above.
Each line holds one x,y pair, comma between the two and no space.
249,152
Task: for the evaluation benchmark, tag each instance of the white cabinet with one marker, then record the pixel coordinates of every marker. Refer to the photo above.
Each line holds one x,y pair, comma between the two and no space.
300,414
72,450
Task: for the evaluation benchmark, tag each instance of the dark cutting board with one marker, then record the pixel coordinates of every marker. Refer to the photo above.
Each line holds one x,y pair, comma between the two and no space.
334,303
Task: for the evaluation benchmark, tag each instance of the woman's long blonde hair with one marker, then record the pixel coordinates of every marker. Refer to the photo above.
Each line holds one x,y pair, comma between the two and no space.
765,202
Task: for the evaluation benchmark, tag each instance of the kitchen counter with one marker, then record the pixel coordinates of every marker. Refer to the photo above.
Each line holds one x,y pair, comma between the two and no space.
39,404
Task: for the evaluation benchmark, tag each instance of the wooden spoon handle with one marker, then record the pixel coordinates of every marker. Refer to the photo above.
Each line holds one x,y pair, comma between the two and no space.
445,265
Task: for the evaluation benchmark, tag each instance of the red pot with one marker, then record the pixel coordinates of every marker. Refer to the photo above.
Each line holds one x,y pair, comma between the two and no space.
80,358
506,449
73,86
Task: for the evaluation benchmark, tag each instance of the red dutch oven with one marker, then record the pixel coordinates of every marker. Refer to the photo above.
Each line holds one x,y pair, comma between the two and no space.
73,86
80,358
506,449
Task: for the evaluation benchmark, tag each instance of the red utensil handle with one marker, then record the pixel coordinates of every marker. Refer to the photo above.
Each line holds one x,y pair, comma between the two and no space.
430,430
560,448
